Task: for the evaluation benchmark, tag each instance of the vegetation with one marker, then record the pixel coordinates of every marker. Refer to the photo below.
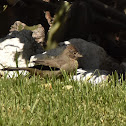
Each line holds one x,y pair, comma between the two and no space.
42,102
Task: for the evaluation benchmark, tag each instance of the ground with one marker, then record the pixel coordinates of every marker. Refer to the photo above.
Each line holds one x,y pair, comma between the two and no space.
54,102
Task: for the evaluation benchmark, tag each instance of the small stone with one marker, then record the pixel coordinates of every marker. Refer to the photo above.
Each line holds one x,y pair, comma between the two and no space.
47,86
68,87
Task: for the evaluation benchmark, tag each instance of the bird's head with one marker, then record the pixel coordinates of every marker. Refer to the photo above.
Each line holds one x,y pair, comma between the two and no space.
72,52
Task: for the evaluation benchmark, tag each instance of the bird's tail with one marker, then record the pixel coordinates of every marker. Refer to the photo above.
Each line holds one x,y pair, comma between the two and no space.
16,69
35,71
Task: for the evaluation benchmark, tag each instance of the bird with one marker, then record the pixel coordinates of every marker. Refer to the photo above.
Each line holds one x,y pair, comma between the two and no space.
67,61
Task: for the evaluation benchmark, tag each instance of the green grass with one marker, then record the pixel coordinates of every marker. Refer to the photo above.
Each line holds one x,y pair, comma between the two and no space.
25,102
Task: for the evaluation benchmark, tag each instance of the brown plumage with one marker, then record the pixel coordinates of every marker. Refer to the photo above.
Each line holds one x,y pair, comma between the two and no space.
67,61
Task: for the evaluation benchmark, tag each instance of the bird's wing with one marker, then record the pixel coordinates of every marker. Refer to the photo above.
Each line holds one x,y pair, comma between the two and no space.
70,66
52,62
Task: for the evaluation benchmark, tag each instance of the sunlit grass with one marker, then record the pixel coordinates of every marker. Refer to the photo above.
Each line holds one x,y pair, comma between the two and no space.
42,102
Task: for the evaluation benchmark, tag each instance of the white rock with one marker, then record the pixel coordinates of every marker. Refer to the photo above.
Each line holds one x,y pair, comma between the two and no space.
20,46
93,77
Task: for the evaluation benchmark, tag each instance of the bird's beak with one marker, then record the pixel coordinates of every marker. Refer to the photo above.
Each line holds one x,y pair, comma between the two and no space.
79,55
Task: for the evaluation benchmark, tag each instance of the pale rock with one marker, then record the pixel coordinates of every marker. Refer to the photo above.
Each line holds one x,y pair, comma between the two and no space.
68,87
91,76
17,46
